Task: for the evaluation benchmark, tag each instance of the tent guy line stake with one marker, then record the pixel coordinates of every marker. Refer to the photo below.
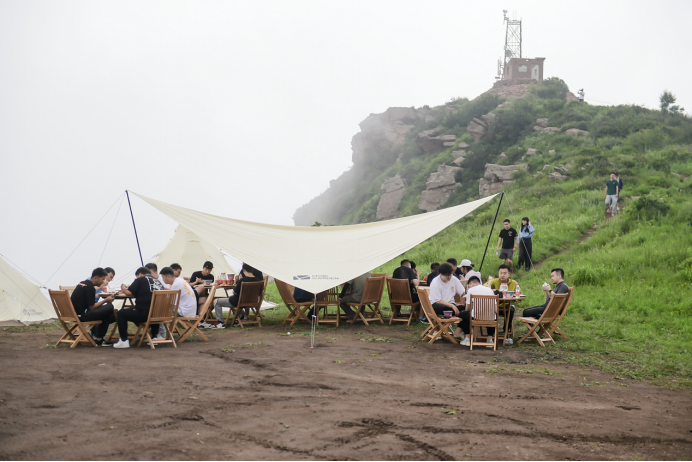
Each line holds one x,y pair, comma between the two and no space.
127,193
491,232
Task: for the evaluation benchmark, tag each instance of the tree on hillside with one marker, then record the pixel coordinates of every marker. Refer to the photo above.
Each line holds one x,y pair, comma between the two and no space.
668,105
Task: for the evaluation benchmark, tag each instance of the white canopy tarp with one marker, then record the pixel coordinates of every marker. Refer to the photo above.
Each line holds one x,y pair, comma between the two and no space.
190,251
315,258
21,301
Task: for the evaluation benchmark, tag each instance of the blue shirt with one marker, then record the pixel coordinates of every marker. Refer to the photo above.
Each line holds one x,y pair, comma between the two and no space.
524,233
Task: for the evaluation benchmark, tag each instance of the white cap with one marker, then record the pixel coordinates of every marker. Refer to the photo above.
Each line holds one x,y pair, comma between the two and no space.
466,262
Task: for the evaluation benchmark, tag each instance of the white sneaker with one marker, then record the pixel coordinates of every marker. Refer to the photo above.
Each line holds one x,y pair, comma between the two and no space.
509,341
160,337
204,325
465,342
489,340
122,344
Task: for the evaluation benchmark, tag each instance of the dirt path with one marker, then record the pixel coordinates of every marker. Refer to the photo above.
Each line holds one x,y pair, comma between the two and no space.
361,393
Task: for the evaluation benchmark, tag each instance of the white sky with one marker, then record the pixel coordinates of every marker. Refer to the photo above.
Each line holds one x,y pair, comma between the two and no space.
246,109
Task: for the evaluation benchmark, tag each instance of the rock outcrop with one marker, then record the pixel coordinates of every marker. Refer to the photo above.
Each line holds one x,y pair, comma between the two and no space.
432,141
482,128
388,206
386,130
516,88
440,186
576,132
496,177
542,126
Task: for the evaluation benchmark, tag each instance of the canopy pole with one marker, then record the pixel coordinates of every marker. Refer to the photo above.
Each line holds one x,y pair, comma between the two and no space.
491,231
127,193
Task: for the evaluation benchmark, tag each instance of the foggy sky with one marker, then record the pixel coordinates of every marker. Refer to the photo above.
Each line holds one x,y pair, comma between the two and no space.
246,109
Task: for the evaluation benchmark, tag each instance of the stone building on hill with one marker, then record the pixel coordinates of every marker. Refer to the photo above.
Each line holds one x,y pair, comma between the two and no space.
524,68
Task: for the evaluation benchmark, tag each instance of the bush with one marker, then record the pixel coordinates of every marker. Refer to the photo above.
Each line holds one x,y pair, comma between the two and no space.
589,275
650,207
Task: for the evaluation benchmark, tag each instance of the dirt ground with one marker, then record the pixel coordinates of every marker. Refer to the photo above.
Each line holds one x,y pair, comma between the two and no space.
360,393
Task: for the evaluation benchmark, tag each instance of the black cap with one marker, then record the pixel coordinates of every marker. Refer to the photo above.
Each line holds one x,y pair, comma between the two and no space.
208,264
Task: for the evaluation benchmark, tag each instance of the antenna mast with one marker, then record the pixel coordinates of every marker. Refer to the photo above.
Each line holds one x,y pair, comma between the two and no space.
512,43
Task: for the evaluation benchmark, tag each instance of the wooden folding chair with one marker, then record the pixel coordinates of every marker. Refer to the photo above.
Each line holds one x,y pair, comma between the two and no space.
379,275
484,314
375,307
69,289
250,297
70,321
541,326
324,301
372,294
555,327
187,325
399,296
296,309
163,310
264,292
439,327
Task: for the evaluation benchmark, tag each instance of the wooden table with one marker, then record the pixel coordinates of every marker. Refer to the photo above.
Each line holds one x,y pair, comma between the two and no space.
504,310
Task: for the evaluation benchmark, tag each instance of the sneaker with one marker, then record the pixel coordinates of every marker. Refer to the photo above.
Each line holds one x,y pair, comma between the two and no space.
204,325
465,342
217,325
509,341
102,343
424,320
489,340
244,318
122,344
160,337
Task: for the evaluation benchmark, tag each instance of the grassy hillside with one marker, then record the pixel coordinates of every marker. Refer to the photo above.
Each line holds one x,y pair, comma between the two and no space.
632,311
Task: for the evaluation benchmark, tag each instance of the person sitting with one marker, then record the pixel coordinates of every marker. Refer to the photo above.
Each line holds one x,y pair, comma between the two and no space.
110,274
177,270
456,270
155,272
474,288
301,296
141,289
433,273
201,278
467,271
357,287
498,284
247,274
87,309
406,272
442,291
188,302
557,277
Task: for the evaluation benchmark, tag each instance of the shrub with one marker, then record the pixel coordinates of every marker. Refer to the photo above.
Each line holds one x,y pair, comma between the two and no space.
650,207
589,275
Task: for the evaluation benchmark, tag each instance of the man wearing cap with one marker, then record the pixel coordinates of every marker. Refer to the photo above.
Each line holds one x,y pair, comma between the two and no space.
467,270
201,278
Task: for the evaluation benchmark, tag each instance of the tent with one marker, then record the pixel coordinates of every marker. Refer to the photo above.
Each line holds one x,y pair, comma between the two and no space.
315,258
21,301
190,251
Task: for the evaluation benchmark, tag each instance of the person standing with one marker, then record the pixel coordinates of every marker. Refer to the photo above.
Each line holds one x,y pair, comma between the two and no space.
612,191
508,239
617,177
580,94
525,243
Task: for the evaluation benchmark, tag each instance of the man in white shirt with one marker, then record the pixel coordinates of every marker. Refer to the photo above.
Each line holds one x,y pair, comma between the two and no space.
442,291
474,288
188,301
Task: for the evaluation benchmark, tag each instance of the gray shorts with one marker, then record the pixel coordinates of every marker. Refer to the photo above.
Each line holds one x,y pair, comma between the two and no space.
506,254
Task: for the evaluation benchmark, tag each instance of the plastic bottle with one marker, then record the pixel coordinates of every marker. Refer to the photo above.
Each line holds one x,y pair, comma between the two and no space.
517,292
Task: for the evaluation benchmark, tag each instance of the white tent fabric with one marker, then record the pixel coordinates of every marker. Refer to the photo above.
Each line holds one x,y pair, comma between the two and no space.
21,301
190,251
315,258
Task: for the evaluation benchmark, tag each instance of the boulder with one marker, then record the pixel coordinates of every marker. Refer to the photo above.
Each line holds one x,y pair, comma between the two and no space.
531,151
394,189
538,128
546,167
552,151
459,160
576,132
463,145
458,153
439,187
542,122
448,144
431,142
477,129
560,170
502,157
557,176
497,177
568,167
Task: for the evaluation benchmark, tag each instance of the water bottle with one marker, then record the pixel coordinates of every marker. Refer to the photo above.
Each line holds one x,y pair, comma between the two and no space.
517,292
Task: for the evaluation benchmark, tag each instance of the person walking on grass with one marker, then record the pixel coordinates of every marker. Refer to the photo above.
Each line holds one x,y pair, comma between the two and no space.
612,192
525,243
508,239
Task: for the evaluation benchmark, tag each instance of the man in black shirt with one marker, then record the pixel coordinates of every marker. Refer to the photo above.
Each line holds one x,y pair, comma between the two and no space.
508,239
433,273
557,277
247,274
83,300
201,278
456,271
406,272
141,289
